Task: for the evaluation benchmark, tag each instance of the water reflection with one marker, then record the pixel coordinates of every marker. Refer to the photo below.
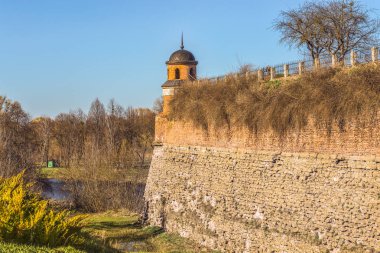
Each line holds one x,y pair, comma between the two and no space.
53,188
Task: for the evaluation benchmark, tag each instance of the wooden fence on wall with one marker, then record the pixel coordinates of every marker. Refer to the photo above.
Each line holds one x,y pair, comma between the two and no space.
298,67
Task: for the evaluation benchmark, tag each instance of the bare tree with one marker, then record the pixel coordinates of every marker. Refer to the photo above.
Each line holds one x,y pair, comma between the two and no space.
144,138
70,137
96,121
302,28
115,135
348,26
17,142
335,27
44,130
158,105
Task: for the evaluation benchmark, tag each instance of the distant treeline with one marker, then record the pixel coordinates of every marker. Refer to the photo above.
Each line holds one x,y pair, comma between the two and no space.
102,152
107,136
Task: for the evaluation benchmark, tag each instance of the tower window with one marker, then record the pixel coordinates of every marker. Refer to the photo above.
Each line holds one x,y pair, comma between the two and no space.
191,73
177,74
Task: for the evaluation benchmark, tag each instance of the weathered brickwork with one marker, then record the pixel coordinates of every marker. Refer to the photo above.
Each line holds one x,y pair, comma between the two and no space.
251,196
165,104
358,138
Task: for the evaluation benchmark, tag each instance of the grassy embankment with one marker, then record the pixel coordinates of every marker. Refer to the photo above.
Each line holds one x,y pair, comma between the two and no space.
115,231
123,232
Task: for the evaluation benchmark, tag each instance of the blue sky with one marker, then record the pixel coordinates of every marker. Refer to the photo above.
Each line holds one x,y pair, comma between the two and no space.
59,55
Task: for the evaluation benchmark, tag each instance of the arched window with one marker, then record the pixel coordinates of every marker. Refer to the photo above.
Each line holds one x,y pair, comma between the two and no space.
177,76
192,73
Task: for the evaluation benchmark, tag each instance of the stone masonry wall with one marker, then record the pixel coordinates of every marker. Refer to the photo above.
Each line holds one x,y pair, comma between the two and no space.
251,196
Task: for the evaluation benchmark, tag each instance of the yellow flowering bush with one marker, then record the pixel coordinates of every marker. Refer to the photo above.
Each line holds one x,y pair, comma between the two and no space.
26,218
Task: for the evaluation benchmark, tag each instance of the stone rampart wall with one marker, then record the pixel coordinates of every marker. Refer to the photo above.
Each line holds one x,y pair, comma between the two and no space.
237,192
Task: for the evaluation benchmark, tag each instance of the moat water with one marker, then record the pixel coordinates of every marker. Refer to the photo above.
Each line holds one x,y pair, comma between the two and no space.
53,188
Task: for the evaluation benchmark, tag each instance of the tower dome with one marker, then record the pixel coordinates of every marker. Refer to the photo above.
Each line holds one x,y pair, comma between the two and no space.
182,56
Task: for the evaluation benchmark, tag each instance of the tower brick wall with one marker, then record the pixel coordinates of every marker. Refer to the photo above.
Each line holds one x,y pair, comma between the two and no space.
184,71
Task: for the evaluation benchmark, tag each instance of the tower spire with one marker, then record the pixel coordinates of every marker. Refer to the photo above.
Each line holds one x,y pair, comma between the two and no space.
182,46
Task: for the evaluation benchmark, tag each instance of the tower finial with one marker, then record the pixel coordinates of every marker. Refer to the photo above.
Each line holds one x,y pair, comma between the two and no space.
182,46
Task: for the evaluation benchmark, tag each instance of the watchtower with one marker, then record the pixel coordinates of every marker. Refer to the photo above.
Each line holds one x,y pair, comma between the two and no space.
181,67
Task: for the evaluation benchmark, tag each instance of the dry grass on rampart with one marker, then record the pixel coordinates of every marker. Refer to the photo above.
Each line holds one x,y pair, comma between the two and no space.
330,96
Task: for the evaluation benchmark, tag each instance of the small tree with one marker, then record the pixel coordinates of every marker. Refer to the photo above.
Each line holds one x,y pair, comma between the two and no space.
158,105
96,122
43,127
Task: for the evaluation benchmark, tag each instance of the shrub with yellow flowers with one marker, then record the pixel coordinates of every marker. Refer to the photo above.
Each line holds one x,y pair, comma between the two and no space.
26,218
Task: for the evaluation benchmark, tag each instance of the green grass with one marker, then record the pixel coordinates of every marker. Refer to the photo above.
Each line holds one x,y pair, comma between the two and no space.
50,172
16,248
116,232
137,175
122,231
